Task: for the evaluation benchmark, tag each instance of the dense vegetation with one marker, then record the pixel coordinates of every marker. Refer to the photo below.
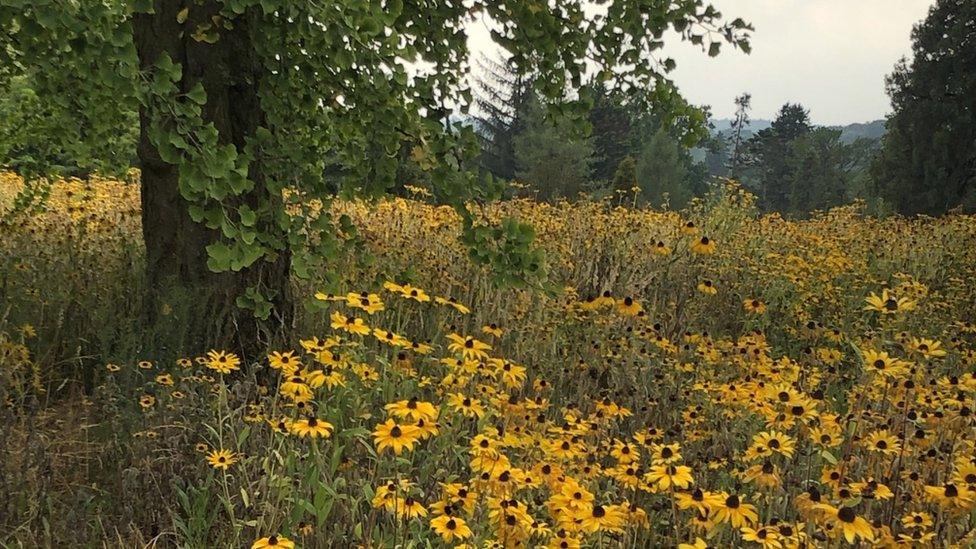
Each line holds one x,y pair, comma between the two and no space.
841,347
272,275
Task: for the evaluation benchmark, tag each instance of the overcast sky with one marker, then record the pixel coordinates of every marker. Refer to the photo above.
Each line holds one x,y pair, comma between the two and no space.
829,55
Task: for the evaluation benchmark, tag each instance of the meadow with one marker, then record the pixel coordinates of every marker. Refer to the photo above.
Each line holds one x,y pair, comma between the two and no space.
710,377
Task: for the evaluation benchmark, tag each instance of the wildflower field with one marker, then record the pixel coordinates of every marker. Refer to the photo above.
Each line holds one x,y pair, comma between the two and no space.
703,378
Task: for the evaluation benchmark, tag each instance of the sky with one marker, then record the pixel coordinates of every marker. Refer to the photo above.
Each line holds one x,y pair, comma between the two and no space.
831,56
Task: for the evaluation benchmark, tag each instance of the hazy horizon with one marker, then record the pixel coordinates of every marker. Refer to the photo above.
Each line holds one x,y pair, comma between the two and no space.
831,56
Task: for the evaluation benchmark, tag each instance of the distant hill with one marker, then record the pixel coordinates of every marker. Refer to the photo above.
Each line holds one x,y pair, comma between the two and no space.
868,130
849,133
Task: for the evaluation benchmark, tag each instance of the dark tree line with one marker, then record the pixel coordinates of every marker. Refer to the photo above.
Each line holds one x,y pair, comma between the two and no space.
925,163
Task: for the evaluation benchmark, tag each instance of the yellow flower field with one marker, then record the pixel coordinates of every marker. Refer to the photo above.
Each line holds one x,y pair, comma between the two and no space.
704,378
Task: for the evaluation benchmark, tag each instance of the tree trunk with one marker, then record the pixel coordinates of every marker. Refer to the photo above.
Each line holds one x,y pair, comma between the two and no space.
200,302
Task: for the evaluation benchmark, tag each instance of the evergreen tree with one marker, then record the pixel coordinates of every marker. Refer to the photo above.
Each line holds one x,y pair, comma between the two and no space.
666,173
610,120
820,171
551,156
768,152
928,160
501,98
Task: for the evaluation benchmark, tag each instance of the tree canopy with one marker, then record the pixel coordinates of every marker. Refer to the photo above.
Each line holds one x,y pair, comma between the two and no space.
928,160
253,111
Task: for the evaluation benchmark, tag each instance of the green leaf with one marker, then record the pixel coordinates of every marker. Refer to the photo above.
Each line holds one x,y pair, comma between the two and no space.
248,216
197,94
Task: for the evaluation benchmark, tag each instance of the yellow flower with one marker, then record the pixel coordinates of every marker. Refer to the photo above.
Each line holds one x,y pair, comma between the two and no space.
707,287
223,362
273,541
287,362
660,248
413,293
467,406
928,348
412,409
754,306
884,442
450,528
492,330
882,364
888,304
352,325
221,459
629,307
371,303
666,476
703,246
736,512
767,538
395,436
468,347
453,303
408,508
312,428
774,442
847,523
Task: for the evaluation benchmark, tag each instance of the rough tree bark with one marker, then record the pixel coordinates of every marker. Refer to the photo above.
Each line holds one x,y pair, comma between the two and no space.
176,256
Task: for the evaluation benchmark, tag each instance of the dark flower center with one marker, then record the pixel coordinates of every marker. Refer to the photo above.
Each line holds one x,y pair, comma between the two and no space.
846,514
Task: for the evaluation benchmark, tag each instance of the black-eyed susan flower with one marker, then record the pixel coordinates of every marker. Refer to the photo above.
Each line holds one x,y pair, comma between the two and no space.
311,427
273,542
951,496
468,347
881,363
450,528
492,329
221,459
882,441
888,304
394,436
700,500
847,523
765,536
754,306
408,508
287,362
735,511
929,348
371,303
467,406
453,303
413,409
666,476
223,362
349,324
703,245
